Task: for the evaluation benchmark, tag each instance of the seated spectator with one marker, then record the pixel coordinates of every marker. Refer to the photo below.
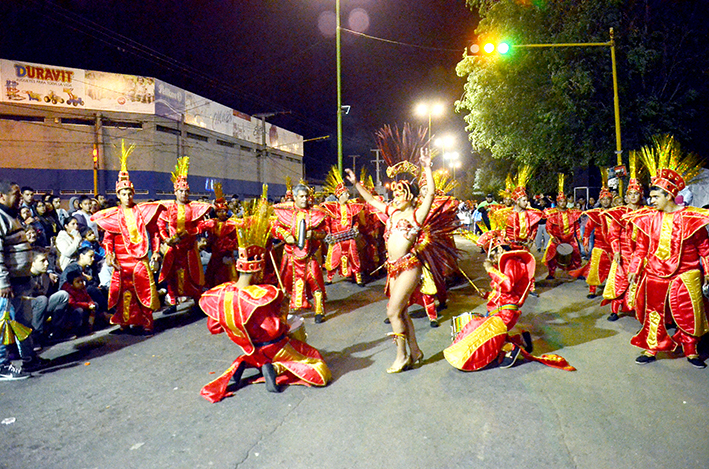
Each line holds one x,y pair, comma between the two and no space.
74,205
68,241
50,226
84,265
90,241
83,216
81,305
49,306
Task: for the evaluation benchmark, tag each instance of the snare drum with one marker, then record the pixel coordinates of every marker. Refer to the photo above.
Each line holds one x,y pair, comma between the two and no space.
297,328
564,251
459,322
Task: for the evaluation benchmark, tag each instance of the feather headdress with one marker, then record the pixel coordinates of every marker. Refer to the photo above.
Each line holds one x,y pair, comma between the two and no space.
253,232
670,168
633,182
560,194
219,200
179,176
506,193
334,184
524,174
605,191
401,149
123,177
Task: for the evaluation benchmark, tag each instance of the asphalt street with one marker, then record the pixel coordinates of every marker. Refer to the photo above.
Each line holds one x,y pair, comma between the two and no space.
133,402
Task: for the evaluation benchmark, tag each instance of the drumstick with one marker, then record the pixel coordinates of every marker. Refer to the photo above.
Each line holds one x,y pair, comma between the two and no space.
275,267
470,281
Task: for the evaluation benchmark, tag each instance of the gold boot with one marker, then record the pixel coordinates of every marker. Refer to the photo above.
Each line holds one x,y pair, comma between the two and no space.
319,308
400,341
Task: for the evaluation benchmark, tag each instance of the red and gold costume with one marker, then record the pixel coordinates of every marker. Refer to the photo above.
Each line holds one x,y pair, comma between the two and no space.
597,269
131,235
485,339
622,235
669,249
300,271
520,226
182,267
563,228
223,242
251,318
343,226
222,235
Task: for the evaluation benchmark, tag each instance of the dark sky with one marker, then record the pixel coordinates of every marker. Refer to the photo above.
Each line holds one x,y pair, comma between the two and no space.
266,56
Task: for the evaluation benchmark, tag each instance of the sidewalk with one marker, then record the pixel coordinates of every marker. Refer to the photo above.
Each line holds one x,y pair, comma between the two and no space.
133,402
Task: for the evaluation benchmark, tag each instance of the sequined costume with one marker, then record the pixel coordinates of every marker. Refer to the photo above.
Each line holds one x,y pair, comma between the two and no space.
182,267
563,227
343,226
223,242
300,271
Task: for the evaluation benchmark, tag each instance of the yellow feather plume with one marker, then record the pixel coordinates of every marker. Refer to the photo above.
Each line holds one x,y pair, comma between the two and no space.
254,229
124,154
561,182
181,168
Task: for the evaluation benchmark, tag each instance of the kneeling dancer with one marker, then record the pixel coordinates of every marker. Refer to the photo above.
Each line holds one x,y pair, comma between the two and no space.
251,317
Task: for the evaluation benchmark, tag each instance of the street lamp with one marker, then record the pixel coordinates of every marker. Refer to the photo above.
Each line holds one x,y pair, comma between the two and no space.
453,161
430,110
445,143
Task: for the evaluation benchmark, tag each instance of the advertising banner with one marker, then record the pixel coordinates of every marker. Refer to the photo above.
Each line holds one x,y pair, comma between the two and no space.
117,92
169,100
29,83
207,114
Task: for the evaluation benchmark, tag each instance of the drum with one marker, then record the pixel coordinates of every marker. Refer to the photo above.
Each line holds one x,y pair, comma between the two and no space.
459,322
564,251
297,328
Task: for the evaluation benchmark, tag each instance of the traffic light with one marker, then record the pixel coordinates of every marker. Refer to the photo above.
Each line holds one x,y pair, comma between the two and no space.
95,157
501,48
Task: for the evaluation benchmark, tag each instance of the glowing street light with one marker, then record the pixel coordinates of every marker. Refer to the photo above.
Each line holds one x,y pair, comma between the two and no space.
430,110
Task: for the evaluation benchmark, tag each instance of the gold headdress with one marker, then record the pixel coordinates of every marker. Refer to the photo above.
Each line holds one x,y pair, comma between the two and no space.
506,193
366,179
289,190
442,180
401,150
334,183
524,174
669,168
179,176
253,232
123,178
633,182
560,194
605,191
219,200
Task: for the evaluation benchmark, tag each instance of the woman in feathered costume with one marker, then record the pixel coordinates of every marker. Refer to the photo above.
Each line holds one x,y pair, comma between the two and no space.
408,239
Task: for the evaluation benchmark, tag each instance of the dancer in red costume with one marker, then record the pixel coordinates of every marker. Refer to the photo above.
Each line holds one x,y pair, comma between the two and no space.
563,227
344,221
485,339
250,315
179,227
409,241
521,221
221,232
672,242
132,245
301,227
622,235
597,269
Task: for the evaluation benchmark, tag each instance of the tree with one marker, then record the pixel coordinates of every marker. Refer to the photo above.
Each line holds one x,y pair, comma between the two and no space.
553,107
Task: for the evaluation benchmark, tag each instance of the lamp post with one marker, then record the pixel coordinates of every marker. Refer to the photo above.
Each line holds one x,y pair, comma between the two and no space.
453,160
339,86
430,110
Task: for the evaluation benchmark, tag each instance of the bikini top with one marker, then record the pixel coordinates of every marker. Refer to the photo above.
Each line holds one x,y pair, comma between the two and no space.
409,230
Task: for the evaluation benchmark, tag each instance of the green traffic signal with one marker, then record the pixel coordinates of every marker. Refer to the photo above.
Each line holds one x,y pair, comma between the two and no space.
489,48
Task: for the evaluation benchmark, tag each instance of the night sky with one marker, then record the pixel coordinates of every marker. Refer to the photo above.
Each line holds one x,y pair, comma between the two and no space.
260,56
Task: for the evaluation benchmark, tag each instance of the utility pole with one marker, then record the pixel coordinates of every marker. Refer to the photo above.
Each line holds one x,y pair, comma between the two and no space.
263,151
354,157
376,161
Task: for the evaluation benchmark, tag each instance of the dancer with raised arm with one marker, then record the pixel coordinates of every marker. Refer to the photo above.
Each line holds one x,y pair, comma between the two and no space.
403,227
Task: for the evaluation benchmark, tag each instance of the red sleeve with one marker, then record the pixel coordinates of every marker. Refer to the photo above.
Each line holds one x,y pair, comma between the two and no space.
640,252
